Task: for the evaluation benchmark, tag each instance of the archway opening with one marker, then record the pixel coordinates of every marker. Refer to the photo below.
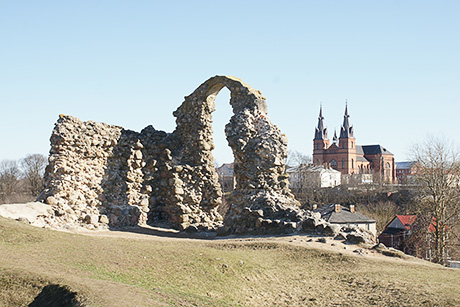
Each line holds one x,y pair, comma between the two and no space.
223,154
223,112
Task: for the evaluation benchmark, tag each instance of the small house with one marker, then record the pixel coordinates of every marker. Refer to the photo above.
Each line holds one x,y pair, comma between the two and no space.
397,231
412,235
341,215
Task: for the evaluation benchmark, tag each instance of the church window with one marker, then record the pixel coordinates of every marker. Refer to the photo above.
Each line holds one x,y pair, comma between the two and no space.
352,163
333,163
343,163
352,147
388,165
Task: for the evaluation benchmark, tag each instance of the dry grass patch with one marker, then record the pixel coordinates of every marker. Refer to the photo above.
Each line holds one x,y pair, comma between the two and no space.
18,288
152,271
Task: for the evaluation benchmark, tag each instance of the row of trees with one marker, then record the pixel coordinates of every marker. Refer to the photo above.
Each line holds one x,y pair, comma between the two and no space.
434,198
22,180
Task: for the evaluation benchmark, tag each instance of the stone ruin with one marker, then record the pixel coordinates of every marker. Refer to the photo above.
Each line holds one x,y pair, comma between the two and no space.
102,175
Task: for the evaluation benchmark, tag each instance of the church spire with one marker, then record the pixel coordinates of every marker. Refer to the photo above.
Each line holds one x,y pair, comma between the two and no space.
334,139
321,130
347,129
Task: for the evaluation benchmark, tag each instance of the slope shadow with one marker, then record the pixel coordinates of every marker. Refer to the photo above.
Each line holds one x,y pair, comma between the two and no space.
169,232
56,296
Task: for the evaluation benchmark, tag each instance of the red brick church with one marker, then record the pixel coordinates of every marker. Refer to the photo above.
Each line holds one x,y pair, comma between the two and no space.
345,156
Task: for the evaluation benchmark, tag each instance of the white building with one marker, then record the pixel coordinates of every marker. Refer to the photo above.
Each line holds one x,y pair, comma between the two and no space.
313,175
226,177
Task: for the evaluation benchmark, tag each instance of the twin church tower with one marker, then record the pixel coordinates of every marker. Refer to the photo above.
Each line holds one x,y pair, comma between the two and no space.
345,156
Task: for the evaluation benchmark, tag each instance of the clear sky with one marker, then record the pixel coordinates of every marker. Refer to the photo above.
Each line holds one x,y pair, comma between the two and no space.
130,63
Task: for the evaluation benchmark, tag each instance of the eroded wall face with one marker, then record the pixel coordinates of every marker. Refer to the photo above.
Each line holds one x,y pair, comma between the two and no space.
78,156
105,175
100,174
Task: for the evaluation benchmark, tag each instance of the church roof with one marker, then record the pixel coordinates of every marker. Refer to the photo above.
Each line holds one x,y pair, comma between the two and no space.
361,159
346,131
374,150
335,139
371,150
321,130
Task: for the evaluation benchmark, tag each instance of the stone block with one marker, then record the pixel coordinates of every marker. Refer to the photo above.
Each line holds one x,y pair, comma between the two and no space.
103,219
91,219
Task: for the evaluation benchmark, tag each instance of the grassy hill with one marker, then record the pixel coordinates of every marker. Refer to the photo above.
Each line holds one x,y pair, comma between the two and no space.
147,270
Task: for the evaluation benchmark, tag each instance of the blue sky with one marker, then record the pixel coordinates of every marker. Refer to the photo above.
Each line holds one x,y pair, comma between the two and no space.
131,63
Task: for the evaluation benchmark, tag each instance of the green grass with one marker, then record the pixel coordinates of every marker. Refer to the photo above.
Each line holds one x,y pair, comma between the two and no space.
155,271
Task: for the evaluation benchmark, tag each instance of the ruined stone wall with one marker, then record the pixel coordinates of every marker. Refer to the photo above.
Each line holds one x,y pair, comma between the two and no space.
91,166
78,155
105,175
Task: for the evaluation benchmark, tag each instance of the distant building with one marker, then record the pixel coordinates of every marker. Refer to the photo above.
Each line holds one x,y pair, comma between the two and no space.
340,215
313,175
400,234
453,264
396,233
405,171
347,157
354,179
226,177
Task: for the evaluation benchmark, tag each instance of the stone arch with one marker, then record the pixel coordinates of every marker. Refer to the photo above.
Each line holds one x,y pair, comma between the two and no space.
259,149
194,119
249,125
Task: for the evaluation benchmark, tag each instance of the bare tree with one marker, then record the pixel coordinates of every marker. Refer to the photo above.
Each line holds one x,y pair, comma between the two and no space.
296,158
10,176
33,167
438,177
381,211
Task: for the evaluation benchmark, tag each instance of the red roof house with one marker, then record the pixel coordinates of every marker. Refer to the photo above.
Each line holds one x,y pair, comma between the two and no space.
397,232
